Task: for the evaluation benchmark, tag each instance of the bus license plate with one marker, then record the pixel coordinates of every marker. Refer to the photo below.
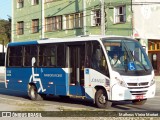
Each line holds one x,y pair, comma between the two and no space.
139,97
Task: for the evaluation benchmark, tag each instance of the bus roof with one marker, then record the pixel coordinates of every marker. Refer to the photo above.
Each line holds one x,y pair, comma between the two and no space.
60,40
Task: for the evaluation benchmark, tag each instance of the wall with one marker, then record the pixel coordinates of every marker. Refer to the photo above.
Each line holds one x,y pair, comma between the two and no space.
146,19
29,12
26,14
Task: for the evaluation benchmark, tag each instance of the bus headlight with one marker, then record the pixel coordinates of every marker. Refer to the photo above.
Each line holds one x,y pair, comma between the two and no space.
152,82
121,82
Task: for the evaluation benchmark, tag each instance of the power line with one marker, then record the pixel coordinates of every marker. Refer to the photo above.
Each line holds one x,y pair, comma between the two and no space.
39,11
87,9
107,5
110,3
91,7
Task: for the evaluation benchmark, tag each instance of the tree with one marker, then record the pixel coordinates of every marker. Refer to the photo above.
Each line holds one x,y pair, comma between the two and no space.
5,31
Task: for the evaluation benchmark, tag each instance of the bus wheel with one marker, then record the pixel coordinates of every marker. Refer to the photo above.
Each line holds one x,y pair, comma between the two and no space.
101,99
33,93
139,102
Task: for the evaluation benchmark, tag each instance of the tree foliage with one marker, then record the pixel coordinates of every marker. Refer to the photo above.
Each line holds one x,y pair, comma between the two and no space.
5,31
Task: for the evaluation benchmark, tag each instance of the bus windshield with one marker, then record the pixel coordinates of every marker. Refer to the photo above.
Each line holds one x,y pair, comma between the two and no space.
127,55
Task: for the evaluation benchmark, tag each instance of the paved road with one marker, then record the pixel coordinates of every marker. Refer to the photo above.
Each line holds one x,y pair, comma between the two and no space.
17,100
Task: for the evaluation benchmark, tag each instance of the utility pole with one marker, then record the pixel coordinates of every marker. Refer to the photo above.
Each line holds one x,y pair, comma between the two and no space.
102,18
42,19
84,17
12,22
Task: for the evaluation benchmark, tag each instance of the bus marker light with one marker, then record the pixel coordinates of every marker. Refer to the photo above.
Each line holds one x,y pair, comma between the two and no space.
20,81
51,83
7,81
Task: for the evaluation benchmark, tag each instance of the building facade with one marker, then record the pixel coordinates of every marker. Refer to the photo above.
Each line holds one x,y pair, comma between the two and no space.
37,19
146,28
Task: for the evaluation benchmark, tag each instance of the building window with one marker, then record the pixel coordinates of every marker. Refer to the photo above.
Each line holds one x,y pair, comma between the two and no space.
35,26
53,23
96,17
120,14
35,2
78,20
20,28
153,45
20,3
73,21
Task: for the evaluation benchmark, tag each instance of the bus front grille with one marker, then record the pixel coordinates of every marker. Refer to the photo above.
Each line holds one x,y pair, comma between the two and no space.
138,87
139,92
138,84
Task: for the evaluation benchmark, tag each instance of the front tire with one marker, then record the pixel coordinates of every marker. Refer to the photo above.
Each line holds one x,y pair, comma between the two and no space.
32,93
101,99
139,102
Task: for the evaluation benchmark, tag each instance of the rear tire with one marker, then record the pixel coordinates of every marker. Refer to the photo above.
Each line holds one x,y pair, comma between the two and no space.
139,102
101,99
32,93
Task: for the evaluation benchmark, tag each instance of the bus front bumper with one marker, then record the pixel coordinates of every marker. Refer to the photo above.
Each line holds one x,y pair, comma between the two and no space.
123,93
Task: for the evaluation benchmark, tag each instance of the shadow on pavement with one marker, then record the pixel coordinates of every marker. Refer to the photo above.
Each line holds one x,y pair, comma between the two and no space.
122,105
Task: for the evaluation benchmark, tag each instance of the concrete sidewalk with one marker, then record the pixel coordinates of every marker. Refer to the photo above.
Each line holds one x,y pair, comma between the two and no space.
157,77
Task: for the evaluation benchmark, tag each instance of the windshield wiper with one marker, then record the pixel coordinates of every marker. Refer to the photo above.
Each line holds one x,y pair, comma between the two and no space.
144,67
133,57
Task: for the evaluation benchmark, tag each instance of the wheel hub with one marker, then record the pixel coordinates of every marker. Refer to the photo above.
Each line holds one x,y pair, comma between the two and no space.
33,93
102,99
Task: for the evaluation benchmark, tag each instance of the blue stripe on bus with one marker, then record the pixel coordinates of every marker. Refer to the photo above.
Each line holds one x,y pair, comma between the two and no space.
47,75
23,43
56,76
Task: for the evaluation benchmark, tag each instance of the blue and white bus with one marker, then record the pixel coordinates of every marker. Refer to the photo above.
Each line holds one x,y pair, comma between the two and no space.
81,67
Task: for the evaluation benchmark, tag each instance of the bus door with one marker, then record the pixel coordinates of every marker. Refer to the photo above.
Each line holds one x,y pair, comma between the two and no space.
76,58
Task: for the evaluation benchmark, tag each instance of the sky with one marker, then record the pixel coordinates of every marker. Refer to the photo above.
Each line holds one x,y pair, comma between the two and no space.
5,9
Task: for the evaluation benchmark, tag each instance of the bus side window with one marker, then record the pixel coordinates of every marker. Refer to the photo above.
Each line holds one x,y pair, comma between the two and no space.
47,55
30,52
88,55
15,56
40,55
60,55
52,60
96,56
99,62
